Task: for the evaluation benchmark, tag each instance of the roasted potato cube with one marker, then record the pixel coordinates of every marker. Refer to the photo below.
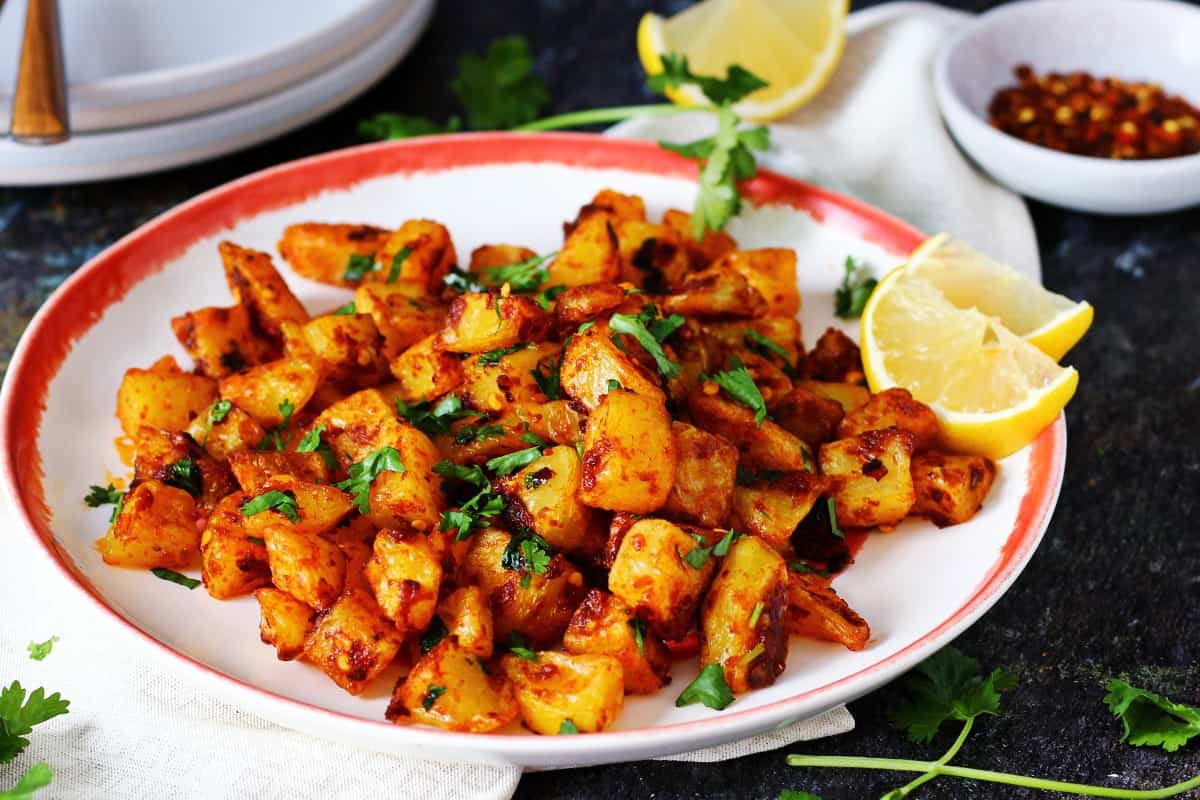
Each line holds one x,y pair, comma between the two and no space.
286,622
894,408
536,605
772,507
579,304
232,562
255,468
951,488
742,623
592,359
174,459
872,470
425,371
235,431
305,565
835,357
589,254
359,424
353,641
491,256
652,256
716,293
357,552
254,282
478,323
604,625
162,398
405,574
621,206
772,271
412,497
220,340
587,690
403,313
705,472
348,348
493,383
650,574
321,251
815,611
468,618
706,249
768,446
156,527
850,396
544,497
807,416
430,255
448,687
261,391
741,335
622,432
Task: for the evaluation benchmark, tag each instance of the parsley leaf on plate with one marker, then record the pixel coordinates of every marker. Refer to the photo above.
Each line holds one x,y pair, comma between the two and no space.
275,500
1151,720
218,411
851,297
709,688
348,310
36,777
767,349
639,633
103,495
523,276
802,567
313,443
511,462
363,473
492,357
547,296
39,650
402,126
547,375
433,634
357,266
434,418
397,262
500,90
647,333
185,474
432,693
567,727
737,83
19,715
740,385
945,686
273,436
171,576
515,644
527,553
479,510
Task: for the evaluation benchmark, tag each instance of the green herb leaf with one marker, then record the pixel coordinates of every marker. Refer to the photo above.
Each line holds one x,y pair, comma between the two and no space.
358,266
639,634
492,357
547,374
471,433
755,614
526,552
476,512
728,159
171,576
567,727
348,310
851,297
363,473
397,263
546,297
500,90
709,688
433,634
737,83
313,443
1150,719
185,474
511,462
768,349
275,500
39,650
515,644
36,777
947,685
614,385
18,716
434,419
404,126
258,540
722,547
431,695
792,794
103,495
218,411
636,327
523,276
834,527
462,281
803,567
274,436
739,384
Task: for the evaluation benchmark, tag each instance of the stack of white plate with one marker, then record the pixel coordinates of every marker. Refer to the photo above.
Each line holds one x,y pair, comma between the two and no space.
159,83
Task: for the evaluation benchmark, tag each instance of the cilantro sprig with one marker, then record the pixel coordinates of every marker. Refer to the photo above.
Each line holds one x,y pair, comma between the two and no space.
19,715
313,443
479,510
1151,720
36,777
740,385
650,330
275,500
39,650
435,418
709,688
851,297
523,276
103,495
363,474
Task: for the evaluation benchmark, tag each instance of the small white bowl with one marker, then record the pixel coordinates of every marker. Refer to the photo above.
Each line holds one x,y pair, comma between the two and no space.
1150,40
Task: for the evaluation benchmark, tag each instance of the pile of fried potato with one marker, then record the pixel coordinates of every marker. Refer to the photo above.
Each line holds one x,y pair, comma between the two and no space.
487,478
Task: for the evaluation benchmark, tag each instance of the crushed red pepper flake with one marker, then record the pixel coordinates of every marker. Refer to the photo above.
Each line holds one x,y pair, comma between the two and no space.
1078,113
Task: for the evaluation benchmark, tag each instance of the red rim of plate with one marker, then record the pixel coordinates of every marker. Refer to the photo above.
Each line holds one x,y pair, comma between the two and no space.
82,299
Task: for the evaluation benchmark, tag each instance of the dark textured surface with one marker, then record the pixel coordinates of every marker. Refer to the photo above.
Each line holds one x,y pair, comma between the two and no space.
1115,587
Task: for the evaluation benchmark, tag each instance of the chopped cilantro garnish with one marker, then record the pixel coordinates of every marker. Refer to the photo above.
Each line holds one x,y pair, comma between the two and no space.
313,443
435,418
523,276
737,83
363,473
275,500
567,727
357,266
492,357
433,634
345,311
171,576
515,644
739,384
185,474
547,375
709,688
218,411
432,693
651,340
397,263
857,284
39,650
639,634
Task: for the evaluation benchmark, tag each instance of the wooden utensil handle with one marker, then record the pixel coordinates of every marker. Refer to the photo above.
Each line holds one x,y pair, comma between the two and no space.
39,111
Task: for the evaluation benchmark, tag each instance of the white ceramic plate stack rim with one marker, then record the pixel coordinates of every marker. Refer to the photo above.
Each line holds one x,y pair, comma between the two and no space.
156,85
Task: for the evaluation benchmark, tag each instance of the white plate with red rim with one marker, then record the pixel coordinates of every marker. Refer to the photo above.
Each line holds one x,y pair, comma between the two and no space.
919,587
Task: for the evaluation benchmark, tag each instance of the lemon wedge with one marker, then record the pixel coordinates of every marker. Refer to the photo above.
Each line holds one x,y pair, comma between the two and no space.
993,391
793,45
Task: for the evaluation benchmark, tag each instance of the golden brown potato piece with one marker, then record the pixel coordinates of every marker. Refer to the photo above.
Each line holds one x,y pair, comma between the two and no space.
234,431
261,391
220,340
491,256
617,474
651,574
850,396
348,349
579,304
162,398
306,566
592,359
255,468
807,416
742,623
742,335
716,293
402,311
589,254
652,256
586,690
155,527
430,255
703,252
232,562
772,271
425,371
448,687
359,424
353,641
285,623
544,497
872,470
705,471
478,323
321,251
621,206
894,408
256,284
412,497
468,618
771,507
835,357
493,382
815,611
317,508
950,488
405,574
536,605
174,459
768,446
604,625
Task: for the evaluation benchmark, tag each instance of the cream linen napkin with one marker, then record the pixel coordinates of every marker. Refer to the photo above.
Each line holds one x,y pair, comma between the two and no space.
135,732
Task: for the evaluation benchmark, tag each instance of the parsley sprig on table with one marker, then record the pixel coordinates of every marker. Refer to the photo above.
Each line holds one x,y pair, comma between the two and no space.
20,714
36,777
500,91
949,686
851,297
